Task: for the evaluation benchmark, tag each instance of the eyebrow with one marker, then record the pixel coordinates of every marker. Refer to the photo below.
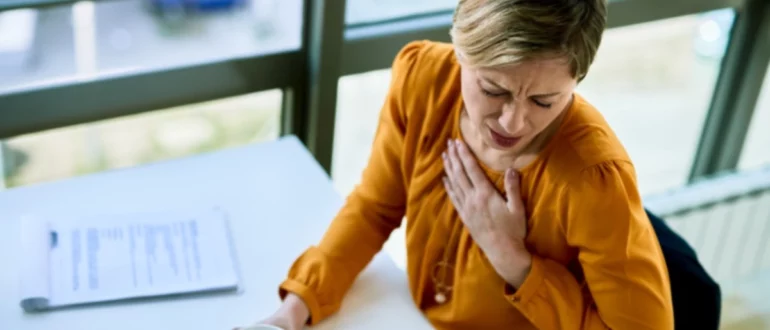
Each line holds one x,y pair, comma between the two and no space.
494,84
546,95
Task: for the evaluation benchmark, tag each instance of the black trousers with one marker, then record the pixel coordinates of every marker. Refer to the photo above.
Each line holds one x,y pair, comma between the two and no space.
697,298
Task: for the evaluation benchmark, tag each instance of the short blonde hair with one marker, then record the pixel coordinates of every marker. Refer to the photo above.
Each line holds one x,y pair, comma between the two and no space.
489,33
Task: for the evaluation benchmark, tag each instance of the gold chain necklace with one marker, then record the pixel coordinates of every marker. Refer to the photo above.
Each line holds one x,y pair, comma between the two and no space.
442,284
441,269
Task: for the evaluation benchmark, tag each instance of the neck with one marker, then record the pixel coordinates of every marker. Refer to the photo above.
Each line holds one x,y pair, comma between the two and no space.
491,157
541,140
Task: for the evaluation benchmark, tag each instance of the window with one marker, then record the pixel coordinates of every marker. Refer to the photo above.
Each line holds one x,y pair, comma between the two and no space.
21,60
359,100
367,11
756,150
647,79
143,138
653,82
89,40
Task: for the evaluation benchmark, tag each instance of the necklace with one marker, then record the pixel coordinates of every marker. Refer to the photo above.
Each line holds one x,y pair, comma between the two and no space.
442,274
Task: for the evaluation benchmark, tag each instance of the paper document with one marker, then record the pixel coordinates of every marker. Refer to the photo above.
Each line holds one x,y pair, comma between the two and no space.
87,260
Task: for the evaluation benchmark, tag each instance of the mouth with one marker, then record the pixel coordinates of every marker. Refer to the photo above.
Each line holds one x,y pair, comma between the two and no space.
503,141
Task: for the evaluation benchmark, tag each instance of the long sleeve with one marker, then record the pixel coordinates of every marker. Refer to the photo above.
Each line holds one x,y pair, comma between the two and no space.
322,275
626,281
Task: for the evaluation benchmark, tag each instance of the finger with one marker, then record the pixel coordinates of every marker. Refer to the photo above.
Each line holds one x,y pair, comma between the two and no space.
451,192
456,202
471,166
449,179
513,190
459,176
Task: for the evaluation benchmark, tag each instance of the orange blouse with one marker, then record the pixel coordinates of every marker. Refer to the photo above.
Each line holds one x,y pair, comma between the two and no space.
596,263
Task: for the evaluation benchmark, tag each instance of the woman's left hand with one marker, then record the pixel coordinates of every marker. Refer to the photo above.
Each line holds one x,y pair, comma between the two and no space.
498,225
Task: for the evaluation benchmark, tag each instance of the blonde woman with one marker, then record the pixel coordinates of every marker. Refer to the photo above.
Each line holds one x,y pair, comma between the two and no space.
521,205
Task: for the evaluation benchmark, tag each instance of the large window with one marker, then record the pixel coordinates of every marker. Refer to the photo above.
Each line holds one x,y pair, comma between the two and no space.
756,150
653,82
143,138
65,45
91,40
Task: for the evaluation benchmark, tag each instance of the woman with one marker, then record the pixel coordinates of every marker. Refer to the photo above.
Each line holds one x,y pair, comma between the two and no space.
522,206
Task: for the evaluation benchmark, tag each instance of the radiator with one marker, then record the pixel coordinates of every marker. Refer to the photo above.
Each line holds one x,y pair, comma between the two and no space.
726,219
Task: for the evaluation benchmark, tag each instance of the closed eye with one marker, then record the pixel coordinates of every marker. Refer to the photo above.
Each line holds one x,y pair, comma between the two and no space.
491,94
542,105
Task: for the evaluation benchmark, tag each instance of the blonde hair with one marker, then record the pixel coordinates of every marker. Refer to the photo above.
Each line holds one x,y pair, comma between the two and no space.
490,33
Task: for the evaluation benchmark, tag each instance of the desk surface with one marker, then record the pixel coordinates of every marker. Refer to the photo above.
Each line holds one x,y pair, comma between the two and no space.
280,202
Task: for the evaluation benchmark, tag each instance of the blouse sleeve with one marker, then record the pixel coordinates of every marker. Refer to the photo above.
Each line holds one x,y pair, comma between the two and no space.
322,275
626,280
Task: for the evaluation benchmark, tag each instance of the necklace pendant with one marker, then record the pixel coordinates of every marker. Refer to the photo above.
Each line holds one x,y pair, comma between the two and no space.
440,298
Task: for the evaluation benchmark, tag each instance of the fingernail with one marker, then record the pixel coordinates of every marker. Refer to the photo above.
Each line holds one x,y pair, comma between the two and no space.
443,155
457,142
449,143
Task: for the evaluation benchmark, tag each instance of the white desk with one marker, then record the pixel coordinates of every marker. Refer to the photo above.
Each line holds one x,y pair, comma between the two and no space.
280,202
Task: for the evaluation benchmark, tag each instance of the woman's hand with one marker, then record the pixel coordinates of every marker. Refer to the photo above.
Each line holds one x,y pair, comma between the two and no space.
292,315
497,225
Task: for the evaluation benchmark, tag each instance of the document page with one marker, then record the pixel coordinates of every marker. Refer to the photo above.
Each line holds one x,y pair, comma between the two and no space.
34,277
125,256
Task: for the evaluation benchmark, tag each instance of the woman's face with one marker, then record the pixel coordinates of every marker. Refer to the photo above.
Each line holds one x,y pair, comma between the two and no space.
509,106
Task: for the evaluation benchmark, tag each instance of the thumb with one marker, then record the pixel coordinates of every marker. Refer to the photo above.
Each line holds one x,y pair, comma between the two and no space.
512,190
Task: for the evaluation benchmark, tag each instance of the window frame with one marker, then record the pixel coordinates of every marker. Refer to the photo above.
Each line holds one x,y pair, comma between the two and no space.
736,92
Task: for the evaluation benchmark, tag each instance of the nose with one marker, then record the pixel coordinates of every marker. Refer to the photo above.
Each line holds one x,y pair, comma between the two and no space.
513,119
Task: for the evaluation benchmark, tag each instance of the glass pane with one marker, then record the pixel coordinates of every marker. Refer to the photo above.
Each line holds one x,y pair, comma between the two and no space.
142,138
653,82
91,40
756,150
366,11
359,100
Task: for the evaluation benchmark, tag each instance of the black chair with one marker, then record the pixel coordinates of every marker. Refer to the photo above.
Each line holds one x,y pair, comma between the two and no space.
696,296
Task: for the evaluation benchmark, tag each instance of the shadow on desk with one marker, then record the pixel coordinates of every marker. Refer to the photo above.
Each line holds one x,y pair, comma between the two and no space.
205,294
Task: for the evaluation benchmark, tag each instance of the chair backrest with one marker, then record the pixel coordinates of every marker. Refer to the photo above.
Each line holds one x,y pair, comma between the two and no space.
726,219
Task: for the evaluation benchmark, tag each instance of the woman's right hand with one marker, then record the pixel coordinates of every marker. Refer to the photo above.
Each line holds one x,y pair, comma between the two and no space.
292,315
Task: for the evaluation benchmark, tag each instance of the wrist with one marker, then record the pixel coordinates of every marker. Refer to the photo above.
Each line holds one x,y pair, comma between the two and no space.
512,261
296,308
519,273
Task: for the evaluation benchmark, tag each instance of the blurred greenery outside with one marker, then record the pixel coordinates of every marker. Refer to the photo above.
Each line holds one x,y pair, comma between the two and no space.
143,138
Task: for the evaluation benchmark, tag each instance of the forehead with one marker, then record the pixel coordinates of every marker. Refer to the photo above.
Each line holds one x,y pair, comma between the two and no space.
552,69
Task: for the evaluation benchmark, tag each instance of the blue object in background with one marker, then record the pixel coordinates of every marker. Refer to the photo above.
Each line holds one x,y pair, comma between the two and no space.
194,5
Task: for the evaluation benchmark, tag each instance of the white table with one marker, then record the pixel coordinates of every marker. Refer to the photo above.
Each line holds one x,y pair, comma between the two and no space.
280,202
